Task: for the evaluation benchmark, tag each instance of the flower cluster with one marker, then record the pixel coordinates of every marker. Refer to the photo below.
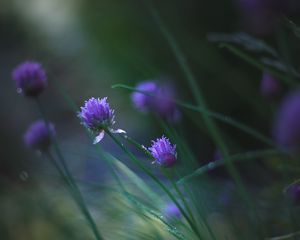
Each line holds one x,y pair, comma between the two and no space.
30,78
97,116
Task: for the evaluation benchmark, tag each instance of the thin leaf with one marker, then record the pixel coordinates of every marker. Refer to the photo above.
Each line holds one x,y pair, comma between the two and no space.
221,117
257,64
238,157
243,39
293,27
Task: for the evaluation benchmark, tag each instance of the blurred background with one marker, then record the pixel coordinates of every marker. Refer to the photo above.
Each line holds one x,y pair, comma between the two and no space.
86,47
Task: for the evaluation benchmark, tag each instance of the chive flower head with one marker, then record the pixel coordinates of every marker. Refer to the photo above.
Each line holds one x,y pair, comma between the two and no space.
142,99
30,78
156,97
38,135
163,152
97,116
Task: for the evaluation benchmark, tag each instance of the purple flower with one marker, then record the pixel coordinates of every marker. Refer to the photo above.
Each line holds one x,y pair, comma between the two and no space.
141,100
171,211
292,192
97,116
158,98
286,129
30,78
163,152
270,88
164,103
38,135
261,15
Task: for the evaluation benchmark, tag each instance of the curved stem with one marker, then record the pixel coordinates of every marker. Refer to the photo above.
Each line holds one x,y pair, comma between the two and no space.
133,158
180,194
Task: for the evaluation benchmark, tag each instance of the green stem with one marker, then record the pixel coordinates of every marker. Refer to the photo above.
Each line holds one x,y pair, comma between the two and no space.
210,124
220,117
186,205
170,178
66,174
158,182
174,184
200,212
220,163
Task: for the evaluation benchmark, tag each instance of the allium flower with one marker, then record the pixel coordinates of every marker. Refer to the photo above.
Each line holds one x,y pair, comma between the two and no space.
270,88
292,192
164,103
171,211
287,123
163,152
158,98
30,78
97,116
142,101
38,135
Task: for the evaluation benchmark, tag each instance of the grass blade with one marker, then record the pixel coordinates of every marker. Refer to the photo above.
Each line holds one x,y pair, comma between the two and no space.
237,157
218,116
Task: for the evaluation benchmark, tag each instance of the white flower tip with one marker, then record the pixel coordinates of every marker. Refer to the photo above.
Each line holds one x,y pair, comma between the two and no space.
144,147
120,131
99,137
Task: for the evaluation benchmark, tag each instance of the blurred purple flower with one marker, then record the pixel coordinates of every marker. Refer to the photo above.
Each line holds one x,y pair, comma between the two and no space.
141,101
270,88
292,192
158,98
286,129
164,103
163,152
38,136
261,16
171,211
30,78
